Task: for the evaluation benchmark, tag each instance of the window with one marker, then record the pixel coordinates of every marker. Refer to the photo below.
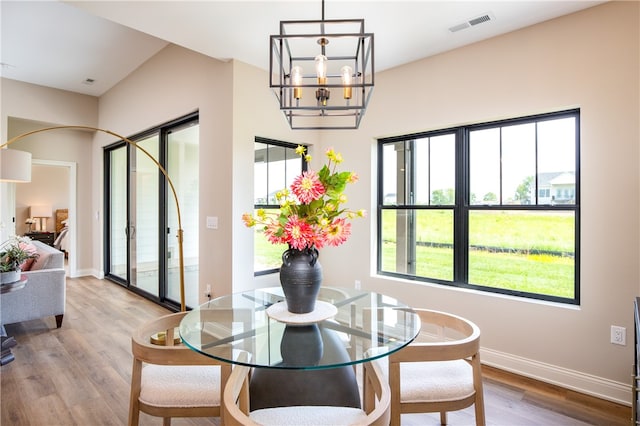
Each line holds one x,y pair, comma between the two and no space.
493,206
276,164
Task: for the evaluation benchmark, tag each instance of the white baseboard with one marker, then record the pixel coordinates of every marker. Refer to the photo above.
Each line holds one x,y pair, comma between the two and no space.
88,272
563,377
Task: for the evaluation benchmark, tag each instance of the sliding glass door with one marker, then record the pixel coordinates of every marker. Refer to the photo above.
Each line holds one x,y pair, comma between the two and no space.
183,154
144,217
141,221
117,231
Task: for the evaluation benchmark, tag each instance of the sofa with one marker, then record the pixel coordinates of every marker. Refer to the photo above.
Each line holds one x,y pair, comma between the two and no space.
43,295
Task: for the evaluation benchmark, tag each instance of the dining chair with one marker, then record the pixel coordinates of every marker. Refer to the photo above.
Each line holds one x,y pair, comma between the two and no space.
237,410
440,371
170,380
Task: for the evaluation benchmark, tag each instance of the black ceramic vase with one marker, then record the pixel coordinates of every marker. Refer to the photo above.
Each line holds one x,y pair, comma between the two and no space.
301,345
300,277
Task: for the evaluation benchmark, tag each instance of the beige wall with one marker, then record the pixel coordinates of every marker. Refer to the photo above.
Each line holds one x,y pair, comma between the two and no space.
587,60
26,107
235,105
38,103
171,84
255,113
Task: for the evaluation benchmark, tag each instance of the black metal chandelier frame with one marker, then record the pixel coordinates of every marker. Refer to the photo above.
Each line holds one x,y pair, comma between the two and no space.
336,99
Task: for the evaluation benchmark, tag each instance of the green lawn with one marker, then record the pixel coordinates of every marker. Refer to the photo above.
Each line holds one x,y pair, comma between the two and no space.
522,251
267,255
513,261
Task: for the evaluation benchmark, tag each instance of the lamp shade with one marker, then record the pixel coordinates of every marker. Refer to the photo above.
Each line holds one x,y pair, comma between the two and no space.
40,211
15,166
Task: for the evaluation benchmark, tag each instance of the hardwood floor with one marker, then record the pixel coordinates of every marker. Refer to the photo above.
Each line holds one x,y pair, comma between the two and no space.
79,374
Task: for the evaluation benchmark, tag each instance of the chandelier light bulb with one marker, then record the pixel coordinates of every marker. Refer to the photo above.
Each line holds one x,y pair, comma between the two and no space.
296,80
321,69
347,79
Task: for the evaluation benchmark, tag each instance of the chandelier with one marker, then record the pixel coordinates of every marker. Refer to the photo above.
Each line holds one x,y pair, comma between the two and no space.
322,72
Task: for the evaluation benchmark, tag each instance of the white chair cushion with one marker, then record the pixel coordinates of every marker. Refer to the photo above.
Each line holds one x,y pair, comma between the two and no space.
180,386
308,415
435,381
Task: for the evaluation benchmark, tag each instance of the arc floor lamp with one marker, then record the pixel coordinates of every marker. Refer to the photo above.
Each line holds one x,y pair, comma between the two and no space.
8,174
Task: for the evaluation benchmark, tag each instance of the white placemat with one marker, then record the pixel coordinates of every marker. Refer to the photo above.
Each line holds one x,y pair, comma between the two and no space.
323,310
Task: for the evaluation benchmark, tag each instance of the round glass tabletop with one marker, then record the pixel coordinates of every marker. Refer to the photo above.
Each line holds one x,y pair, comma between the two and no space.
363,326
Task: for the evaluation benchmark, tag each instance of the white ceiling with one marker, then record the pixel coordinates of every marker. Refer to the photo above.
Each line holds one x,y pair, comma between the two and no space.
61,44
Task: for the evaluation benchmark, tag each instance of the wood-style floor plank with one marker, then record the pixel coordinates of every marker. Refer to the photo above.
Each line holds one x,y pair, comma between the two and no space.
80,374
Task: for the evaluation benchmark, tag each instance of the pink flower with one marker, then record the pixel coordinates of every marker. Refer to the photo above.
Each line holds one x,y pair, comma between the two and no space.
310,213
319,239
299,233
307,187
338,232
274,233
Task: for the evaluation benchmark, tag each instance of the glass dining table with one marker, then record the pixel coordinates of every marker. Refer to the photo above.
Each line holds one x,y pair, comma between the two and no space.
303,359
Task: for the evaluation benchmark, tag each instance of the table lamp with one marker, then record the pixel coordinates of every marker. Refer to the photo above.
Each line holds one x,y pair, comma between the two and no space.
41,212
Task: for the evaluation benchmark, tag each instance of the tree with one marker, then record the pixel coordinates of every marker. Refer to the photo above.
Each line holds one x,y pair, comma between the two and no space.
490,196
442,197
523,192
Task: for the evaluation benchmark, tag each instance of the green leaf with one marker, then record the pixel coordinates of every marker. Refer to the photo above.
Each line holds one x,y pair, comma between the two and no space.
324,173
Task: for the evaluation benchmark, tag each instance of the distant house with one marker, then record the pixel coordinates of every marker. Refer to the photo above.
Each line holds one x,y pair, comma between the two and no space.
556,188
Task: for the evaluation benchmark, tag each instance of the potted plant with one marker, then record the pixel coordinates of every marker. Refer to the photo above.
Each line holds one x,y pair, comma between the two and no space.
13,253
310,217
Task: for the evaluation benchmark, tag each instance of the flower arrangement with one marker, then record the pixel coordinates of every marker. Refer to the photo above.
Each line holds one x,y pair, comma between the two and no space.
14,252
310,214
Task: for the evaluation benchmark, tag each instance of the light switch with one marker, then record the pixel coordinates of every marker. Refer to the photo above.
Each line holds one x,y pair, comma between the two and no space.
212,222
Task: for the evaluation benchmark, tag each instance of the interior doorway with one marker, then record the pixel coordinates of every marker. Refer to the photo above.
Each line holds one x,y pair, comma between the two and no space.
53,183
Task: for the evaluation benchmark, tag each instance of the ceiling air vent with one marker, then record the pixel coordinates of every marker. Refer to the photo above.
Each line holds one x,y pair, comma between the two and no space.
471,22
480,19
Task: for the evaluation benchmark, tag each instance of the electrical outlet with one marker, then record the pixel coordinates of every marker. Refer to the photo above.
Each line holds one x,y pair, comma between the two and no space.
357,284
208,292
618,335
